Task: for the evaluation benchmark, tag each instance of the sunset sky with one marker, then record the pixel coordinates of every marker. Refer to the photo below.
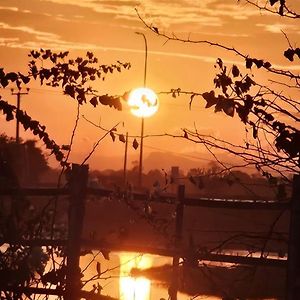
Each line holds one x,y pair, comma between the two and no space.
108,28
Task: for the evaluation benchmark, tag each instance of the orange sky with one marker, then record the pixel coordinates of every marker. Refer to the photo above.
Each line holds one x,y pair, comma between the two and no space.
108,28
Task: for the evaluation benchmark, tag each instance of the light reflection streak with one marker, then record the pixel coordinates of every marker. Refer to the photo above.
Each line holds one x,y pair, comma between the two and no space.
134,288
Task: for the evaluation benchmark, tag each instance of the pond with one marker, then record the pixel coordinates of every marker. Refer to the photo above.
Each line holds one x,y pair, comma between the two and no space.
117,282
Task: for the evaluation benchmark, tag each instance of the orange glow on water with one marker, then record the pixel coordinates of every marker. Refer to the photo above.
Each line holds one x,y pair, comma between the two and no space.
134,288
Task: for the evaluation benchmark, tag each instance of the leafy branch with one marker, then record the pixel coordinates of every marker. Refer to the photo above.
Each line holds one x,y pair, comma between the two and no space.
277,7
11,112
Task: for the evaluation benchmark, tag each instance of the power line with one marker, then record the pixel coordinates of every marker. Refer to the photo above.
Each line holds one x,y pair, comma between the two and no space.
180,154
38,90
195,107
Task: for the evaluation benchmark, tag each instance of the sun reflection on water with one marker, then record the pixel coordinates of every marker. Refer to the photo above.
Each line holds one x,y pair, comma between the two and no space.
134,288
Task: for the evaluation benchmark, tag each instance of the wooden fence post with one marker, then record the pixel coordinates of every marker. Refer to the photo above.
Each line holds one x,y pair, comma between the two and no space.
293,269
78,186
177,243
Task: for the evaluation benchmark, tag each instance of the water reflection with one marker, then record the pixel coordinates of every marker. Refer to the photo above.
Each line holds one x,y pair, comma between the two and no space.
134,288
119,284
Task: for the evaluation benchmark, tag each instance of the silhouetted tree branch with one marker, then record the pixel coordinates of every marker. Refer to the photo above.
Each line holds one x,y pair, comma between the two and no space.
23,267
277,7
270,116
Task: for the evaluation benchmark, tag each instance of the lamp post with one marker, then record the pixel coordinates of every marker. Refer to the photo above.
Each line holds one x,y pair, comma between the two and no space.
144,103
146,57
142,123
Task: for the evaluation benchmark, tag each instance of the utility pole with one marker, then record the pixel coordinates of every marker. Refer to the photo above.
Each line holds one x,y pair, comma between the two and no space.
19,93
125,162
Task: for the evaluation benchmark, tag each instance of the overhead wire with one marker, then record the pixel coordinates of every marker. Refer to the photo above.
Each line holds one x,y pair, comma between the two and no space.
40,90
53,91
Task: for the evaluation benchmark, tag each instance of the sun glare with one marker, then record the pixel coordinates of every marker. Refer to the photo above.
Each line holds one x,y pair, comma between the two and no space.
134,288
143,102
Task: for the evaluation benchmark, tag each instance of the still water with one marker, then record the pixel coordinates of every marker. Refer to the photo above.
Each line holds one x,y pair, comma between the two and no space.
118,283
134,288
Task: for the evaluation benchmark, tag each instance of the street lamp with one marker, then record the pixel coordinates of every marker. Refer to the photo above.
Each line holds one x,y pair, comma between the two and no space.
143,103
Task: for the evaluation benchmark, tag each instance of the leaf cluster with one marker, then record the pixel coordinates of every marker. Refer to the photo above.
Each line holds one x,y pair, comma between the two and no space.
113,134
251,107
73,75
253,103
281,7
290,53
20,265
11,112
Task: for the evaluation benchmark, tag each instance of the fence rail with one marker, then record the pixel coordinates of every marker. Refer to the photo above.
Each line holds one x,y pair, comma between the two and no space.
162,198
74,242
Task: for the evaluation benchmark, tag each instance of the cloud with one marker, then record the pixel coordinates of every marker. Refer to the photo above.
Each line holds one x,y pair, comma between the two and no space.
121,8
26,29
8,40
47,44
234,11
54,41
209,13
279,27
11,8
42,39
58,44
203,13
14,9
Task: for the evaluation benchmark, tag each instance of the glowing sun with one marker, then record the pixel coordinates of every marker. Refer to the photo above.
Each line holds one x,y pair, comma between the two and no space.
143,102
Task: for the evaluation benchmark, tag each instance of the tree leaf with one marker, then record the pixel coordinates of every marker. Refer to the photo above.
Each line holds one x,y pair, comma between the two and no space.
210,98
112,136
249,63
258,62
105,254
89,55
155,29
297,51
243,113
289,54
98,267
135,144
94,101
235,71
11,76
122,138
9,116
24,78
4,82
229,107
220,63
70,90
